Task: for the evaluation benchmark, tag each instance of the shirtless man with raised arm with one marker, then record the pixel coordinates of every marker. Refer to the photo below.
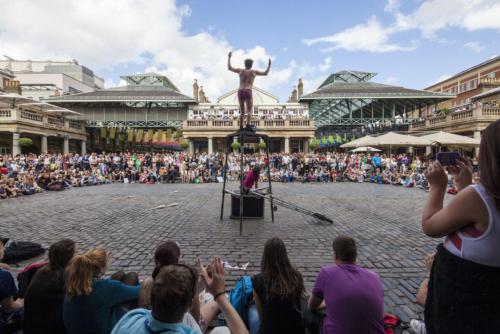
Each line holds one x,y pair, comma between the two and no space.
247,76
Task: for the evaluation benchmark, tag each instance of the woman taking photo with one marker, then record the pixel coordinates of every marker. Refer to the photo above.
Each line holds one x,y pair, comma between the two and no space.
464,285
277,291
94,304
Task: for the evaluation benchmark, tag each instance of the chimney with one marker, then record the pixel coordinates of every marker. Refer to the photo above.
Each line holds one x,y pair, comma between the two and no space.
294,94
195,90
301,88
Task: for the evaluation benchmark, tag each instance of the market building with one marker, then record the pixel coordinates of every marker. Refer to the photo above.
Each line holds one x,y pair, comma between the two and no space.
148,109
475,106
287,124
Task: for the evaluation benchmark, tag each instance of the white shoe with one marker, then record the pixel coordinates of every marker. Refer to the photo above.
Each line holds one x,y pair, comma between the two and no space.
417,326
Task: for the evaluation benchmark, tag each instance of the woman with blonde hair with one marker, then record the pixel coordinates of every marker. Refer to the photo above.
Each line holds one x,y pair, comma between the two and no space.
94,304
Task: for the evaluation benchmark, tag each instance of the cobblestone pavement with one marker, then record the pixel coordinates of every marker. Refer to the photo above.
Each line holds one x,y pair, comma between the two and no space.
384,220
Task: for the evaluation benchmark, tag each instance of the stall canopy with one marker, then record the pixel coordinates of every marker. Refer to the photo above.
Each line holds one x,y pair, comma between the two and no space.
450,139
365,149
357,142
396,139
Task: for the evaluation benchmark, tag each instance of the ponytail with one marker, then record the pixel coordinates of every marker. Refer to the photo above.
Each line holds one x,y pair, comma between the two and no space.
82,270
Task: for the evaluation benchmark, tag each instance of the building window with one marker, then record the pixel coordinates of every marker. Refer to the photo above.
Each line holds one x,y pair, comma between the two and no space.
491,75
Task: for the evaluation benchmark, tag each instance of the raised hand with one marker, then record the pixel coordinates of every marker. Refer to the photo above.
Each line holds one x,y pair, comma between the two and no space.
214,276
437,176
269,63
230,54
462,173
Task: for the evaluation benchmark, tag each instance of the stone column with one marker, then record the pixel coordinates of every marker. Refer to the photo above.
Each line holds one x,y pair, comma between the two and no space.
84,147
191,147
66,145
45,148
477,135
287,144
210,145
306,145
16,148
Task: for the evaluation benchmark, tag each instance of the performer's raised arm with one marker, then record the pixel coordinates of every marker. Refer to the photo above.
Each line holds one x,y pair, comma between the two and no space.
266,71
229,67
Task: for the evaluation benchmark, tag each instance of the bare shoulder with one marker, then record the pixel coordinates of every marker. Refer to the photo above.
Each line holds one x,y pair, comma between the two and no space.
469,201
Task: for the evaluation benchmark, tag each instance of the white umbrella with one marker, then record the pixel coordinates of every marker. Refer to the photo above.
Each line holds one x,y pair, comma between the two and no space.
356,142
366,149
396,139
450,139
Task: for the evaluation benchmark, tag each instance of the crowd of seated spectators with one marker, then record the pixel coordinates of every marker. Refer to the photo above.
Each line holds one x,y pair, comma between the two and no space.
69,294
30,174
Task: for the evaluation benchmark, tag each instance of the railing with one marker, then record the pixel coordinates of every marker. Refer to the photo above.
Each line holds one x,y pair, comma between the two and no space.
461,115
40,120
197,123
31,116
55,121
436,120
491,112
486,114
233,124
5,113
75,124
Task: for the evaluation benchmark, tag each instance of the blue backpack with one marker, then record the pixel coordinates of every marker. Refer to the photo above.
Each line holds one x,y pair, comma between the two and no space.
241,295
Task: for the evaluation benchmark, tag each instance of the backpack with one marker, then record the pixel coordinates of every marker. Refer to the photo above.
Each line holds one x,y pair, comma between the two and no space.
240,297
26,275
18,251
392,324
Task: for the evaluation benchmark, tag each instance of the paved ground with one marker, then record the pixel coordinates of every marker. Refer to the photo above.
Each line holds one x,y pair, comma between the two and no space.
383,219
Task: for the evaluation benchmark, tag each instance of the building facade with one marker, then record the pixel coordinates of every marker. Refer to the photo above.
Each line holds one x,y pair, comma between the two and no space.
45,79
147,107
287,124
473,107
49,127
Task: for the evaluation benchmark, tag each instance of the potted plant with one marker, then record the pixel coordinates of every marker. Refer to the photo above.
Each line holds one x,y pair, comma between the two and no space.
236,145
184,144
313,144
25,141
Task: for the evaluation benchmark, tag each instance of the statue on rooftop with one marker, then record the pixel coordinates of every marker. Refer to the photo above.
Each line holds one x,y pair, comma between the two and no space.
247,77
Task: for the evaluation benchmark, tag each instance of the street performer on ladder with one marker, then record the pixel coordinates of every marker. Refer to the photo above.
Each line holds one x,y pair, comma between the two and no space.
247,77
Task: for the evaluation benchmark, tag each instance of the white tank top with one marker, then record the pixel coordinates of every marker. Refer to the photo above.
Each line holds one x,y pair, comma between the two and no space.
484,249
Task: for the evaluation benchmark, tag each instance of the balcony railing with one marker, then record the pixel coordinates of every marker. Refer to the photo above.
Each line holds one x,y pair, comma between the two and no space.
234,124
485,114
40,120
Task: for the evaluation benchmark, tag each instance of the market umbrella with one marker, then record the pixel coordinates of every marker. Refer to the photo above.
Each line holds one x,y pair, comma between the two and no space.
396,139
450,139
357,142
366,149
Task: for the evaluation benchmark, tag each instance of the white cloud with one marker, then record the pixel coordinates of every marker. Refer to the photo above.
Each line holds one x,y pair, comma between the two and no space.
429,18
474,46
105,33
370,36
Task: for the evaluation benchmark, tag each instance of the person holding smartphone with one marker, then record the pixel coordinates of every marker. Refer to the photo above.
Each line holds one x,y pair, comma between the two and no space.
464,284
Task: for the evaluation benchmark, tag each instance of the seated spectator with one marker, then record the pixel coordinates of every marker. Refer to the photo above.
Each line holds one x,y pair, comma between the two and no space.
93,304
173,290
353,295
43,302
168,253
277,291
11,309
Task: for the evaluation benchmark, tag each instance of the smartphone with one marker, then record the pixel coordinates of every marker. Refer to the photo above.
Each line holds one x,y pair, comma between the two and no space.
448,158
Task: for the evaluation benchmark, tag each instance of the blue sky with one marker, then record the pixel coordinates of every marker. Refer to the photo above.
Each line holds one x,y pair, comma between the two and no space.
412,43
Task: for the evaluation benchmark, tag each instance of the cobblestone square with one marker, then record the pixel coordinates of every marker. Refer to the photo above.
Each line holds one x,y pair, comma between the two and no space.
384,220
